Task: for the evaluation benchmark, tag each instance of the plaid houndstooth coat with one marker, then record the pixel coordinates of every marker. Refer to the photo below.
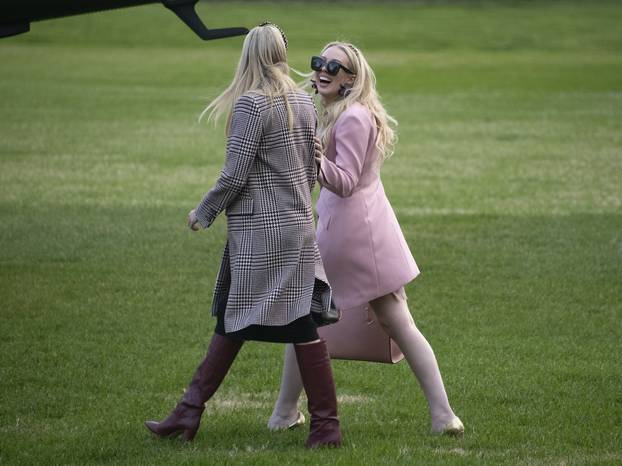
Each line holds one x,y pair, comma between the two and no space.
271,272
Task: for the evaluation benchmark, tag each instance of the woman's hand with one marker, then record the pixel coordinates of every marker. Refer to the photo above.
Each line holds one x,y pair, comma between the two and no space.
193,223
318,153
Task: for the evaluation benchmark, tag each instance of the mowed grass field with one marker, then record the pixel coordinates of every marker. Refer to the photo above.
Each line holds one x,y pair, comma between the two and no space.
506,181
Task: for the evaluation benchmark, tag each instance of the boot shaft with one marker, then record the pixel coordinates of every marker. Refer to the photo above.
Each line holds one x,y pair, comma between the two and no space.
317,379
211,372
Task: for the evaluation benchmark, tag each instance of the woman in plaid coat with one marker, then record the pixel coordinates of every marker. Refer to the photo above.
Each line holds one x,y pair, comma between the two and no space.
271,276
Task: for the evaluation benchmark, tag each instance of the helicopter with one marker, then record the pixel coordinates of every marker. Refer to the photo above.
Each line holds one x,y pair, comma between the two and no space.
16,15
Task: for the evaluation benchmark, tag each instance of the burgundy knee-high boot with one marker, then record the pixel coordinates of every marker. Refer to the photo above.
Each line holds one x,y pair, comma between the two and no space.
186,416
317,379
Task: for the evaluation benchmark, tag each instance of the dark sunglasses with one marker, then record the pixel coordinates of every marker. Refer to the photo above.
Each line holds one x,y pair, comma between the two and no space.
332,67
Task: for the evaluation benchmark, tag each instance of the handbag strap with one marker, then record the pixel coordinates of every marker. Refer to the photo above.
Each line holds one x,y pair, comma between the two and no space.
371,317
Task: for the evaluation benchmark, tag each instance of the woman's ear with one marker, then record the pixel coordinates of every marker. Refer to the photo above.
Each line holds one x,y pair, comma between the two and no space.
345,89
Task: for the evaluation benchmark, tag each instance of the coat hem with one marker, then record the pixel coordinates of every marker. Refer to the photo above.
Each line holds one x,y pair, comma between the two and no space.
351,303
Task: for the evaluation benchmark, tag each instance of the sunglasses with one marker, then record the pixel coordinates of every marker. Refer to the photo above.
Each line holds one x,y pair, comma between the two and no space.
332,67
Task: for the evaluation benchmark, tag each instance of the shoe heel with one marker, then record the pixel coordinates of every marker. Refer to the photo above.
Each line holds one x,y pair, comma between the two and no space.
152,427
454,429
188,435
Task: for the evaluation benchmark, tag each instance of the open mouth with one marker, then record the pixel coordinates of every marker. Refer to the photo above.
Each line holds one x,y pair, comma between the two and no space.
324,80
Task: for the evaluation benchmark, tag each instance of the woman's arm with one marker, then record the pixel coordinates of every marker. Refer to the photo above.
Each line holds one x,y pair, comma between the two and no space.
351,143
244,136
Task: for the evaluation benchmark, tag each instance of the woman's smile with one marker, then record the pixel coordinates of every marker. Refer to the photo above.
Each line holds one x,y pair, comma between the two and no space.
324,81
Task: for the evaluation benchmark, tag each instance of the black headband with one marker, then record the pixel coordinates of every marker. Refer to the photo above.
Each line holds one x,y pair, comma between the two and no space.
268,23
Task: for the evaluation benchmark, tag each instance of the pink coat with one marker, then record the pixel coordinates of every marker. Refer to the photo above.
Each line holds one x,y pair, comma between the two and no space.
363,249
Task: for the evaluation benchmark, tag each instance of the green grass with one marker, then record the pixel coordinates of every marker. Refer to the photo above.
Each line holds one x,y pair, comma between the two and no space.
506,182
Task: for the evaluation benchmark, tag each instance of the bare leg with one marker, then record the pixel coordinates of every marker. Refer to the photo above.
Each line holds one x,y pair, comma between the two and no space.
393,314
285,414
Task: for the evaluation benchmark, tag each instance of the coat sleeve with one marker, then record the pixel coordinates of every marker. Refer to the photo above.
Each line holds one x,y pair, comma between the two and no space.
351,144
244,136
312,169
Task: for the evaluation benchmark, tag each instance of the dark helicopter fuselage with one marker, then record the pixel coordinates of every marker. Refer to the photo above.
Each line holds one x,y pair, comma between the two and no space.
16,15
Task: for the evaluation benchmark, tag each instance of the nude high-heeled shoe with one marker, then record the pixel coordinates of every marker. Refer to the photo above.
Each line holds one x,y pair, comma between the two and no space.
276,423
453,428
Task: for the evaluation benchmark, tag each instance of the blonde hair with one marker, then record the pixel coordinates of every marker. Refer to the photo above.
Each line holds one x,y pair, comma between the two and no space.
262,69
364,92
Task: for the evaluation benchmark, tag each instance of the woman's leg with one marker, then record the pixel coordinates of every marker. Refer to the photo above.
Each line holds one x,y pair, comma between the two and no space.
393,314
317,378
185,418
285,414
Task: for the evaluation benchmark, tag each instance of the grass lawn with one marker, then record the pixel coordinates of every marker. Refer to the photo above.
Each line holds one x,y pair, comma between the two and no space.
506,182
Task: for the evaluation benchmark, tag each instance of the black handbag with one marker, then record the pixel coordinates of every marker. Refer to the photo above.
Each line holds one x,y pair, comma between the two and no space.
327,316
323,309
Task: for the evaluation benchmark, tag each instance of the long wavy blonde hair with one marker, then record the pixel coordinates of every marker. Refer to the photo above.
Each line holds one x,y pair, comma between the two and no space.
262,69
364,92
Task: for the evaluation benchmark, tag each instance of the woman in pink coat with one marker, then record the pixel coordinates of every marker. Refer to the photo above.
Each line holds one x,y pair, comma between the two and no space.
365,255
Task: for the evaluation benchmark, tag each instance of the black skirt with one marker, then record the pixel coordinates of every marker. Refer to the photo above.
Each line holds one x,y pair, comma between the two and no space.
301,330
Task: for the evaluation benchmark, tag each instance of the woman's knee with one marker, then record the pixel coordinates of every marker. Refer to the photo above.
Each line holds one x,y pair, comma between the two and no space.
392,313
387,327
384,319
